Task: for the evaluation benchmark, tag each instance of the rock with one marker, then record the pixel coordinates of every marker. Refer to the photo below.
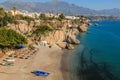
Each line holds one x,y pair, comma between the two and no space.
1,54
72,40
55,46
69,46
54,37
62,45
65,45
83,28
59,36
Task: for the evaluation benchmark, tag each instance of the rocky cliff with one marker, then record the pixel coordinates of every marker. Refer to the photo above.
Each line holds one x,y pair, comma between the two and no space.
63,34
22,26
65,37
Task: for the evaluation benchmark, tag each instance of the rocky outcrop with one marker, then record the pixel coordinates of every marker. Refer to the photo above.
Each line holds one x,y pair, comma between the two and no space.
1,54
22,26
63,34
61,38
57,36
69,46
72,39
62,45
83,27
65,45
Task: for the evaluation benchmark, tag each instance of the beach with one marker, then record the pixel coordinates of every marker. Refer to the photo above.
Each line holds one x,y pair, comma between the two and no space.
46,59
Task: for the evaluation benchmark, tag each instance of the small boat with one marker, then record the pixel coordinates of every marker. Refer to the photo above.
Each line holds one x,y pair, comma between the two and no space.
40,73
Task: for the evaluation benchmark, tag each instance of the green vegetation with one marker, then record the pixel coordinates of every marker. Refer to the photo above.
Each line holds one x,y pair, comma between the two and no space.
31,47
4,18
27,18
42,30
9,38
61,17
42,17
2,15
2,12
6,49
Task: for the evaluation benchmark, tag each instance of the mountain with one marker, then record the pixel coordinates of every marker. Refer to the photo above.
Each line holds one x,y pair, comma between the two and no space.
57,7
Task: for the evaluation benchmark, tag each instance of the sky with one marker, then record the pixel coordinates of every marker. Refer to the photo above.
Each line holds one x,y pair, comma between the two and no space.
92,4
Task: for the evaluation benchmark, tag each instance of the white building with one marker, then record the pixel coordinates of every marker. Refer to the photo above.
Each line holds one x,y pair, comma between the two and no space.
49,14
72,17
15,12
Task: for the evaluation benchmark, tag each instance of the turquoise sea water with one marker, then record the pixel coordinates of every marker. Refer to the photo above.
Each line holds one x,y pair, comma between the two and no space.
98,55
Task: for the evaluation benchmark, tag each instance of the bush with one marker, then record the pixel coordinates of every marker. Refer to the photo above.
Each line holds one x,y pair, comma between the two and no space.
31,47
42,17
9,38
27,18
61,16
5,20
42,30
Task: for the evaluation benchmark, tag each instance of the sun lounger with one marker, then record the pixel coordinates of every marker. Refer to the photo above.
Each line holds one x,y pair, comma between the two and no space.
7,64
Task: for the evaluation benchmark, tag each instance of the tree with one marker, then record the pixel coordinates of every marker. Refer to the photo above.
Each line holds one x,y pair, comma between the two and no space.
4,23
5,20
2,14
62,16
27,18
42,30
18,17
10,14
10,38
42,16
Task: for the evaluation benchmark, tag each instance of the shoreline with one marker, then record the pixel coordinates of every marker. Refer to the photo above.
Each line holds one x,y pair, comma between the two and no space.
66,65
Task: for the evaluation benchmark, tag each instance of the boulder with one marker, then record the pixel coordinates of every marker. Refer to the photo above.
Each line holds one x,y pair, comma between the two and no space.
62,45
69,46
1,54
54,37
72,40
65,45
83,28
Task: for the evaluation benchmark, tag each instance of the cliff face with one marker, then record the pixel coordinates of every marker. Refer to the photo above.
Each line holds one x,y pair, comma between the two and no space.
22,26
63,34
54,37
83,27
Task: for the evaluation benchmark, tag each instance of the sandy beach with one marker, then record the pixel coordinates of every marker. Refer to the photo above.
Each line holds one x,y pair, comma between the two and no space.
46,59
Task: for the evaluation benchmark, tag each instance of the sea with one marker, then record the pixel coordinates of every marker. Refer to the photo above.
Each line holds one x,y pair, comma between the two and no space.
98,55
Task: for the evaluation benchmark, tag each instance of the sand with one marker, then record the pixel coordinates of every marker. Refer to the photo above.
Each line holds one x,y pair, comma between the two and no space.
46,59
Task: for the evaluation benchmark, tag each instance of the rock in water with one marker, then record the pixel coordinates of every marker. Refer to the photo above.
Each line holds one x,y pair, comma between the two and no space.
72,40
83,28
69,46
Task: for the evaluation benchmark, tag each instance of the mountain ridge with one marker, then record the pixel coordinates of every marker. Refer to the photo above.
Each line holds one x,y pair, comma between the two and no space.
58,7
